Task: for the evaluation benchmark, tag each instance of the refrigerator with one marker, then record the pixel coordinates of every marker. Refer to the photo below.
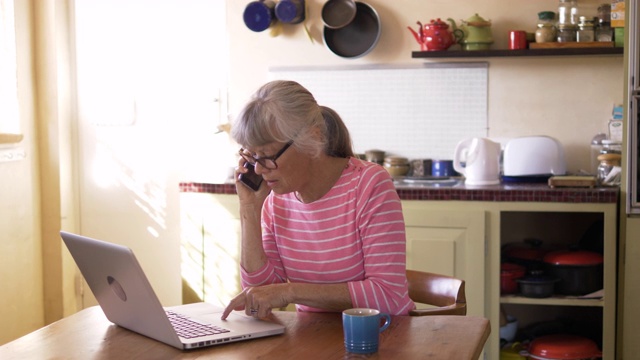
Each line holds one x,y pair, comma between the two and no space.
633,126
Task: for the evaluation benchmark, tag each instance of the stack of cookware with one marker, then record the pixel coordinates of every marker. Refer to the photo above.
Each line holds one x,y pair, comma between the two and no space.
542,272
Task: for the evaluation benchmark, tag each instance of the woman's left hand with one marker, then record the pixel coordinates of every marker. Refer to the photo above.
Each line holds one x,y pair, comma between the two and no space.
258,301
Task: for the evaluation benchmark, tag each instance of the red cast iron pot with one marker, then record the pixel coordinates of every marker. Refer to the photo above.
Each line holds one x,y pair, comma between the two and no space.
580,271
528,253
509,273
563,347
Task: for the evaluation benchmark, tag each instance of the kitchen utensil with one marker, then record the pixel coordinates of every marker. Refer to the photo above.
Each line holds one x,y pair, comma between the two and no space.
441,168
537,285
421,167
259,15
362,328
509,273
572,181
396,165
290,11
436,35
517,40
580,271
512,352
509,330
337,14
477,33
376,156
563,347
481,159
528,253
533,158
359,37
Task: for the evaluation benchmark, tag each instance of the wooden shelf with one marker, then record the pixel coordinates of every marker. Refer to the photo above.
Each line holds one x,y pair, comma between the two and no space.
516,53
554,300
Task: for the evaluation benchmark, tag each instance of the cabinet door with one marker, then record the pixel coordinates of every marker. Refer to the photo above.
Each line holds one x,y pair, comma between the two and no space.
210,247
450,243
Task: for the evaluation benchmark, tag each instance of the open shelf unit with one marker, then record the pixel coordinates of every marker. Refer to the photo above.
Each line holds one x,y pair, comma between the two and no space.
518,53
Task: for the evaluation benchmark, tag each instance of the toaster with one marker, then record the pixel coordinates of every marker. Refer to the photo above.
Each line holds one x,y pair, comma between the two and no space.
533,156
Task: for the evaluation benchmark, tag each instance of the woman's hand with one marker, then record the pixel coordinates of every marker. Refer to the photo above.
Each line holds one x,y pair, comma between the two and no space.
259,301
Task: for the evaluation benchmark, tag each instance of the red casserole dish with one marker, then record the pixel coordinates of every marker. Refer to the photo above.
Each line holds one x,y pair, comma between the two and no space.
563,347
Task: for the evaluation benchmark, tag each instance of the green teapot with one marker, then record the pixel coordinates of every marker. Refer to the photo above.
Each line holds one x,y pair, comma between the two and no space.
477,33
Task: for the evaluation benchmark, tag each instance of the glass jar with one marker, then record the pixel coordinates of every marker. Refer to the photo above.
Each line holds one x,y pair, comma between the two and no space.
609,170
546,31
586,31
604,13
568,12
604,31
611,147
567,33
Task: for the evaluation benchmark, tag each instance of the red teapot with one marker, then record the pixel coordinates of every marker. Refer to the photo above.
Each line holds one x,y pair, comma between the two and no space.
436,35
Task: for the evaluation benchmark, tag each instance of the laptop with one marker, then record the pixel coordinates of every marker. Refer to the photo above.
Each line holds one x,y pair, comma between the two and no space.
127,299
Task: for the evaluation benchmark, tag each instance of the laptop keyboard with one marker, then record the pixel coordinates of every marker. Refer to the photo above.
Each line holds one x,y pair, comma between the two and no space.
190,329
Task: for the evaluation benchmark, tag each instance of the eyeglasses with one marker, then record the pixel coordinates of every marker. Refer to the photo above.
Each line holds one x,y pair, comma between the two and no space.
267,162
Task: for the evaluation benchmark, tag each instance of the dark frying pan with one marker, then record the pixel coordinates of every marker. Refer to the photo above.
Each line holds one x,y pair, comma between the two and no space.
359,37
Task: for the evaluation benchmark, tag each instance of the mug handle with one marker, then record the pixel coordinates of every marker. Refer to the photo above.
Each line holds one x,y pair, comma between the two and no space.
387,321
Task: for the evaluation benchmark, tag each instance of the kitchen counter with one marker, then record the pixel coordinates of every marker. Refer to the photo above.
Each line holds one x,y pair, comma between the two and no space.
504,192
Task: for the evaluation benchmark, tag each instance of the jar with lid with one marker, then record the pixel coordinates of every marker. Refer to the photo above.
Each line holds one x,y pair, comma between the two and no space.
546,31
567,33
396,165
609,171
611,147
604,32
586,30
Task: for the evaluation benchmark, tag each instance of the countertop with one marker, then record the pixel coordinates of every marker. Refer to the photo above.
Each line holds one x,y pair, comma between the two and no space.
458,191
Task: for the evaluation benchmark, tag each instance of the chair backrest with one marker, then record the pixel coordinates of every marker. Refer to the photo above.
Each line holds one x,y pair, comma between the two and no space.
445,293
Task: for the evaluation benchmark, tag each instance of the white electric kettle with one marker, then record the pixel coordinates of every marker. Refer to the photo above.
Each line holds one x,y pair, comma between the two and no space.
481,158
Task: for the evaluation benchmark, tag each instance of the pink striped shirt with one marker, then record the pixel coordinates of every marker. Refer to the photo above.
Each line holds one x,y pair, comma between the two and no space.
355,234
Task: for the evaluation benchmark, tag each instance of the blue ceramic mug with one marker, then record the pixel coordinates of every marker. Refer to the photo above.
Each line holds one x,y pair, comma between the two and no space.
442,168
362,328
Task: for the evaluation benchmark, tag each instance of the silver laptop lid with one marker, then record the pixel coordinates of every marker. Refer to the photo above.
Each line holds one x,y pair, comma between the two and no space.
121,288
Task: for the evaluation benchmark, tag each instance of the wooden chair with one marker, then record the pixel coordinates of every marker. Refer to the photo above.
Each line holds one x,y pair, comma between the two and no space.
444,293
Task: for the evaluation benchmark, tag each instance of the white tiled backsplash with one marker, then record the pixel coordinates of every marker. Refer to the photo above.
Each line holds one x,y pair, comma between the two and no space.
414,111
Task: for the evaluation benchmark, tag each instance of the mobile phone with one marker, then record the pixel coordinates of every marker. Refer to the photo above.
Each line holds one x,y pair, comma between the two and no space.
250,178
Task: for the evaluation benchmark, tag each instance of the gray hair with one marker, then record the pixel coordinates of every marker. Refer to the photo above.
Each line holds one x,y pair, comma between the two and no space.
281,111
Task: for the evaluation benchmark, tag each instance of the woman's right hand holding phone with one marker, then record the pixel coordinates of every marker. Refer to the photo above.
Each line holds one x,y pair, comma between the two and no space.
249,185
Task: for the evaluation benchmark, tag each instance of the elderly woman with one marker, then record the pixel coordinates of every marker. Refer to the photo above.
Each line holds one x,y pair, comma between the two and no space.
324,230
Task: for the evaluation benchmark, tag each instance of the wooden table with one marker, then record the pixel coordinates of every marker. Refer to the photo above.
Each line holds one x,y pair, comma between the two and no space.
89,335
